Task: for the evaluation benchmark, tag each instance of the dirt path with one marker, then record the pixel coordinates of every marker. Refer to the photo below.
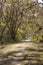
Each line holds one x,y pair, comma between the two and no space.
17,47
22,54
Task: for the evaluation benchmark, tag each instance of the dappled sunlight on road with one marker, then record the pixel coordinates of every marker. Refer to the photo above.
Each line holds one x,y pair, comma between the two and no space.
17,47
22,54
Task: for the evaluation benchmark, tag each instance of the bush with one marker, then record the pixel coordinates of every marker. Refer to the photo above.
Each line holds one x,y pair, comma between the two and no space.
37,38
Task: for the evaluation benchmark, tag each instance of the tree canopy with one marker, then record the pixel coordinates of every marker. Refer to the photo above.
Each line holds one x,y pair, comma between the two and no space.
20,19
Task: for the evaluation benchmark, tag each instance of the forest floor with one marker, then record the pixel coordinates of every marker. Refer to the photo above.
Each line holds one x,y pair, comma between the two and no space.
25,53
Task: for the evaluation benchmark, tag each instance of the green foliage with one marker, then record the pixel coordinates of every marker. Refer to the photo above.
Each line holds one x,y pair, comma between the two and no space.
20,34
37,38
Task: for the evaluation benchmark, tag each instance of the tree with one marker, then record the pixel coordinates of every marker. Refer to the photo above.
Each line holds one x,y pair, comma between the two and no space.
12,17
